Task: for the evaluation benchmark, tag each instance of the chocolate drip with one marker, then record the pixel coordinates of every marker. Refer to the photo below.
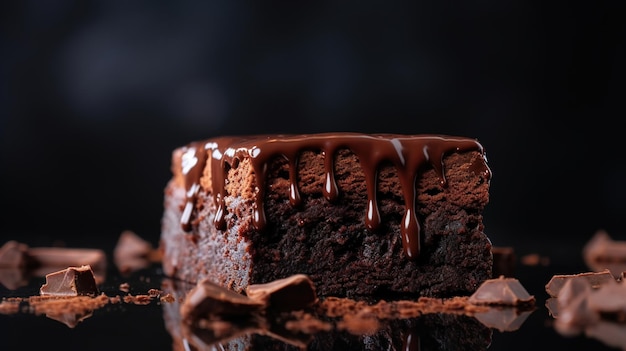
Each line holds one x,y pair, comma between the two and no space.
193,161
407,153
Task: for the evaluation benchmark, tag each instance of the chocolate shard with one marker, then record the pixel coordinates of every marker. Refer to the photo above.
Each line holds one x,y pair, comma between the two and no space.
68,257
210,299
14,254
72,281
503,261
292,293
593,279
609,300
602,252
133,253
14,278
503,292
572,307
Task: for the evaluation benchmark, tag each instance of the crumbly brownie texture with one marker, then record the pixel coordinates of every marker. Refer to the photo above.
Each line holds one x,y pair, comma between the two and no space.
365,216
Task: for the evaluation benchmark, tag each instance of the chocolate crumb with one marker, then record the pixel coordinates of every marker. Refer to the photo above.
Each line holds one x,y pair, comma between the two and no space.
360,324
125,287
167,298
535,260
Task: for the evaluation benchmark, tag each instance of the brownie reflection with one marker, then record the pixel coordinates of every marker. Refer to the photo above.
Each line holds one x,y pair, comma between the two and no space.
428,332
353,326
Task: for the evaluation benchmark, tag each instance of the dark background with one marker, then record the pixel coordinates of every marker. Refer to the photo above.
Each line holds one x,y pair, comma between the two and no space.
94,96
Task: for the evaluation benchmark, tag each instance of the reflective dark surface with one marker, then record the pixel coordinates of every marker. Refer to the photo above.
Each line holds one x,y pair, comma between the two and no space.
131,326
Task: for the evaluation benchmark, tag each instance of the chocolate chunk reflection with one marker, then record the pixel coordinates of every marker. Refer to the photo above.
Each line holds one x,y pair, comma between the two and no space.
504,319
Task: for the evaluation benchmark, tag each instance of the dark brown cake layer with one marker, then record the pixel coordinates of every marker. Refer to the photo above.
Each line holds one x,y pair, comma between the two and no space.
364,216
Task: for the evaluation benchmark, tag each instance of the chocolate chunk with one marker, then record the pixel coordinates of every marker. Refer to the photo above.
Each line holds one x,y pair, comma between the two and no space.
602,247
208,298
572,305
503,261
72,281
14,255
602,252
13,278
133,253
593,279
582,309
68,257
501,291
292,293
610,299
18,262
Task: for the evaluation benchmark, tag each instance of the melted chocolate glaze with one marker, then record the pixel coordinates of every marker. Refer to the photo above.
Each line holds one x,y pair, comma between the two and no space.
408,153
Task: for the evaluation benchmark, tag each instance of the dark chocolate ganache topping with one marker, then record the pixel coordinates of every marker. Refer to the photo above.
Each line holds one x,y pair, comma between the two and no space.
407,153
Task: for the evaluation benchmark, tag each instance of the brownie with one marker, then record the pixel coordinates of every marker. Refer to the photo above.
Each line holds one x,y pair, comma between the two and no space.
365,216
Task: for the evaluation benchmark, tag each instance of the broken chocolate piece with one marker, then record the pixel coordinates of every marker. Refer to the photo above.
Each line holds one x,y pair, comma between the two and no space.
68,257
592,311
292,293
14,278
602,252
501,291
208,298
593,279
23,262
133,253
572,305
503,261
72,281
610,300
14,255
